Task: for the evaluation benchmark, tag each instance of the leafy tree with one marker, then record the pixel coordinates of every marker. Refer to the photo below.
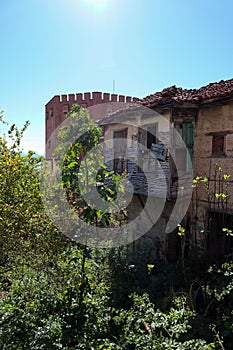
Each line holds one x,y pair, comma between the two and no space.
80,156
25,230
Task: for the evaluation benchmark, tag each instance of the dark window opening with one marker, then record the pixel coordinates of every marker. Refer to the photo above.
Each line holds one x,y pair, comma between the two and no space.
218,145
151,138
148,135
120,165
151,135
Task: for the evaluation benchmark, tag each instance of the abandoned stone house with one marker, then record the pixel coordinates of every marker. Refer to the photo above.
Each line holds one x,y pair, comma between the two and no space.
160,167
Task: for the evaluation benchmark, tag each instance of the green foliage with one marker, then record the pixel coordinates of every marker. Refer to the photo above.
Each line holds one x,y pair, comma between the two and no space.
55,294
25,230
181,230
84,174
228,232
54,309
143,327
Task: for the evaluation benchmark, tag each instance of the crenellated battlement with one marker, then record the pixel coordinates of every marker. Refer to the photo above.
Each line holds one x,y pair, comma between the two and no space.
91,98
58,107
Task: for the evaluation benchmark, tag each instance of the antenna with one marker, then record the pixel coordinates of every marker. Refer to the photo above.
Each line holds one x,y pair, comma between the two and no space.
113,86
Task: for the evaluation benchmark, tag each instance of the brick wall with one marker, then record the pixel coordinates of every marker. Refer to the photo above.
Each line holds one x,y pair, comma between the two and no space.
57,108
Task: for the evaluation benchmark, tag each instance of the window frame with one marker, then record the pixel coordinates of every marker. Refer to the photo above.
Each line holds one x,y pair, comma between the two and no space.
186,130
216,138
120,164
151,137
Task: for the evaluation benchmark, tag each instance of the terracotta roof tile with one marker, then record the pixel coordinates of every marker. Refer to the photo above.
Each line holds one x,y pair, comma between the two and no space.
173,94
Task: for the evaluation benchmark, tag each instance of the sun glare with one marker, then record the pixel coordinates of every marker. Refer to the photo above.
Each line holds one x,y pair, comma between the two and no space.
94,8
98,2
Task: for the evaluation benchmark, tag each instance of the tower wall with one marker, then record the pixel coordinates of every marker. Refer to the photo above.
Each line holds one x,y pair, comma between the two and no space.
58,107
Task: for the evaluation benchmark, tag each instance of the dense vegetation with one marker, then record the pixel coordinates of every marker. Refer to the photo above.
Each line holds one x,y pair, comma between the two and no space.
58,294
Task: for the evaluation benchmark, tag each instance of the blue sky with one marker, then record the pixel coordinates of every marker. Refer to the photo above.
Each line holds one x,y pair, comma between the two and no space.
51,47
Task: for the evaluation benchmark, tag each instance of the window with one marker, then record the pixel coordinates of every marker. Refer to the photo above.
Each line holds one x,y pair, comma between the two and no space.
65,109
120,134
218,145
147,135
151,135
120,162
51,112
188,137
186,131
